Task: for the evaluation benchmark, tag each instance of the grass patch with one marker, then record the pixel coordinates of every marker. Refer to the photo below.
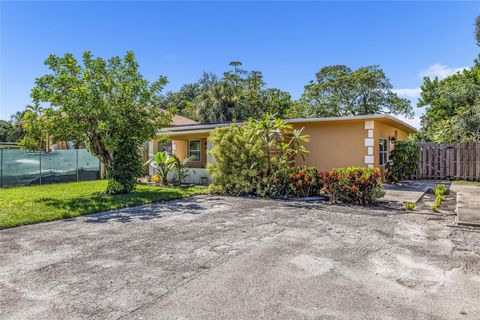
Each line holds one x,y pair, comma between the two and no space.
467,183
33,204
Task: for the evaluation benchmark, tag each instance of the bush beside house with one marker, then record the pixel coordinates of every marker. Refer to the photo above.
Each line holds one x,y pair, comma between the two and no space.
353,185
258,158
402,161
165,165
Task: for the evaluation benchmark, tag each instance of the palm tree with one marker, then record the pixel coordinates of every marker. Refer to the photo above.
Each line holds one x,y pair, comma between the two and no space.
17,131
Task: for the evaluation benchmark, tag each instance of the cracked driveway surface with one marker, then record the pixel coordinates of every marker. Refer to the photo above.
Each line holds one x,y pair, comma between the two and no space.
234,258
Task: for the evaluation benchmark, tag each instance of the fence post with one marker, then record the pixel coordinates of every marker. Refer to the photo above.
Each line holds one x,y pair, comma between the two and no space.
1,167
477,160
77,164
40,165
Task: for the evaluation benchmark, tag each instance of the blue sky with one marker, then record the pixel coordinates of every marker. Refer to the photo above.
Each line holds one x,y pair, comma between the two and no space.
288,41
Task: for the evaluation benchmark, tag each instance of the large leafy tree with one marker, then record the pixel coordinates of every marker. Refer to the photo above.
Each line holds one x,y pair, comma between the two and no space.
235,96
340,91
105,103
6,129
38,123
453,107
12,131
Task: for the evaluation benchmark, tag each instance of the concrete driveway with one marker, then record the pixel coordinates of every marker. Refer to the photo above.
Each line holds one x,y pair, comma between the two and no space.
233,258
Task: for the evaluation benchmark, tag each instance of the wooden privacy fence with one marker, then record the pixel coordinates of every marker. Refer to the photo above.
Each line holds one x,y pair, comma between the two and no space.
453,161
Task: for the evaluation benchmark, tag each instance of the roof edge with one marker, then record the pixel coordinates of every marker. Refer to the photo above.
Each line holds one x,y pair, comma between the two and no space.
361,117
196,127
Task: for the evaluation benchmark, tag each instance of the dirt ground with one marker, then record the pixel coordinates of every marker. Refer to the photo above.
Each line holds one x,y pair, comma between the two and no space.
447,207
237,258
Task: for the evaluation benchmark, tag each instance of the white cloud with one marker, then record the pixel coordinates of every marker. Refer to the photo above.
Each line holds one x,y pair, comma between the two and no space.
408,92
439,70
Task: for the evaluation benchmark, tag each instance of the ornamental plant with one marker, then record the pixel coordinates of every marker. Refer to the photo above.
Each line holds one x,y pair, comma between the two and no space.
305,182
239,161
402,162
292,181
156,179
440,190
352,185
163,164
256,158
410,206
180,169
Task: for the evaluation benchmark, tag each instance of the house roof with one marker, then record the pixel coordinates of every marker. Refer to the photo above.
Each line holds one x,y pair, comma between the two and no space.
182,121
203,128
386,118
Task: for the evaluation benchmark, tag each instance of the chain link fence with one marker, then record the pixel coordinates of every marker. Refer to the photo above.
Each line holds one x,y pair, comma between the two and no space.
20,167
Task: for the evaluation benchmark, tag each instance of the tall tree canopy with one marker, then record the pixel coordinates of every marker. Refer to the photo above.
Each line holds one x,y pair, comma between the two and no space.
340,91
12,131
39,124
105,103
453,107
477,30
6,130
237,95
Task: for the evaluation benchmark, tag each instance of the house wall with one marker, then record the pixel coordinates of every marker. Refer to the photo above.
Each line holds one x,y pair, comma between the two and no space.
334,144
346,143
197,174
180,149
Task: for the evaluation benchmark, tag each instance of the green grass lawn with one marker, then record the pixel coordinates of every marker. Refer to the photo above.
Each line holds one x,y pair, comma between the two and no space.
32,204
468,183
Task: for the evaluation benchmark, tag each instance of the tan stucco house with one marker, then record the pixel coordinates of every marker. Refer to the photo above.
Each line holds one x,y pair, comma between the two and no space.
360,141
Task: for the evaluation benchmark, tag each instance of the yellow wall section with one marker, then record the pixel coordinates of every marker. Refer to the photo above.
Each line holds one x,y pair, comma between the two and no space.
181,148
335,144
181,151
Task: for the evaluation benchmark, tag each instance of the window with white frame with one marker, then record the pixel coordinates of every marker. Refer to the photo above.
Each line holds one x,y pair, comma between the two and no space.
194,150
382,151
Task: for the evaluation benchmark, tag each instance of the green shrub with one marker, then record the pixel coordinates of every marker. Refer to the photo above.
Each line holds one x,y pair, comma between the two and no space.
352,185
239,160
409,205
305,182
440,190
402,161
256,158
125,169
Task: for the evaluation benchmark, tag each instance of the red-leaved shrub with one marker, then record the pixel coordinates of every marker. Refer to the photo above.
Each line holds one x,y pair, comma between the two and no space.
305,182
352,185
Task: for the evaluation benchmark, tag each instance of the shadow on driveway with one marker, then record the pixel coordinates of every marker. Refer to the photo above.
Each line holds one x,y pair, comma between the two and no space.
139,211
